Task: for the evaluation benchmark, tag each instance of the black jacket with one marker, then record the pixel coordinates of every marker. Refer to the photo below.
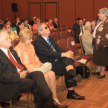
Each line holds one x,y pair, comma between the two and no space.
44,52
9,78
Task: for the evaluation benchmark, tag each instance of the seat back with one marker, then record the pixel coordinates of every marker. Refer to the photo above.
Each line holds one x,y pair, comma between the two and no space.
82,48
58,30
56,36
62,44
71,44
15,42
63,35
63,25
52,30
63,29
68,34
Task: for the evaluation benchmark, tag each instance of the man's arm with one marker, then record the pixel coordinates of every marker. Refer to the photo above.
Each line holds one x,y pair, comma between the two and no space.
7,78
41,48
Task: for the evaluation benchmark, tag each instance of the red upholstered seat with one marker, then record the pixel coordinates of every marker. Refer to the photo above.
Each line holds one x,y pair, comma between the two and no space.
68,34
63,29
63,35
77,64
62,44
87,57
52,30
15,42
72,45
58,30
77,45
63,25
56,36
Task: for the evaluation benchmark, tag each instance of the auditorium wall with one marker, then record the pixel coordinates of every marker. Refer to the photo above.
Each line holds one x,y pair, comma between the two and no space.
65,10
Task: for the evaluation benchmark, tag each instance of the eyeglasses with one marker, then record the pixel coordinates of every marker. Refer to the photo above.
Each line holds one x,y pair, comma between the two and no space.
46,27
101,13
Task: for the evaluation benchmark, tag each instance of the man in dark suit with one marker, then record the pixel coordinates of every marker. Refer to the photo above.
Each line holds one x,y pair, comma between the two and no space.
56,25
15,79
62,64
76,29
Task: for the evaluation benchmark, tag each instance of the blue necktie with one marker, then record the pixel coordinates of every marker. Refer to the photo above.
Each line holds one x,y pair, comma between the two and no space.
49,42
51,46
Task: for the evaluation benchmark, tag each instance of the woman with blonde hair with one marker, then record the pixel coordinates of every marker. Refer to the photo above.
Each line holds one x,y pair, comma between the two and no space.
28,57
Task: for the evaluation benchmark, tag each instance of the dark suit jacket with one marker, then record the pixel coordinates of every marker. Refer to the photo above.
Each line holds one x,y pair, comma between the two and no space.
9,78
55,25
44,52
76,29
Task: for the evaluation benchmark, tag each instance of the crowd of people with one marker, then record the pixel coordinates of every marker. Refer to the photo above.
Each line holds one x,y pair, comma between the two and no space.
17,64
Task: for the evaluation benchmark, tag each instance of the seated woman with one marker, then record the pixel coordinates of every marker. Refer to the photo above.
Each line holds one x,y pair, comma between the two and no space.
20,26
36,23
11,33
28,57
50,25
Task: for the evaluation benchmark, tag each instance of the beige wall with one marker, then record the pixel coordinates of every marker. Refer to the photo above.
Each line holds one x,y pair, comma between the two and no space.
66,10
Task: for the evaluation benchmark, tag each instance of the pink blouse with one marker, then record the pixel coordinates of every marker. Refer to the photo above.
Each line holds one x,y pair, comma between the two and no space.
34,28
28,56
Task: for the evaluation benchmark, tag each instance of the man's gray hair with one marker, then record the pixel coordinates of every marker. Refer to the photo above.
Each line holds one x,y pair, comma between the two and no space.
104,11
39,28
87,24
3,31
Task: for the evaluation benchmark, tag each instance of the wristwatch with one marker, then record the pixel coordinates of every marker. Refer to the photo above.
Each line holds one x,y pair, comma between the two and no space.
27,72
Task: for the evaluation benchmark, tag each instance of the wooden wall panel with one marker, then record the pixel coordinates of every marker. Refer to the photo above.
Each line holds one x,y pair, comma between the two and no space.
50,10
35,0
50,0
67,12
0,8
34,10
22,6
84,8
7,9
98,4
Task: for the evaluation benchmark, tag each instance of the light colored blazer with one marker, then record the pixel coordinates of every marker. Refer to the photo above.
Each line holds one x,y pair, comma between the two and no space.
87,42
28,56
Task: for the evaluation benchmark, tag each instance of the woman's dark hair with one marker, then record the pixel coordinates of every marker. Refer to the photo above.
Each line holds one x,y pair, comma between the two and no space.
18,29
31,22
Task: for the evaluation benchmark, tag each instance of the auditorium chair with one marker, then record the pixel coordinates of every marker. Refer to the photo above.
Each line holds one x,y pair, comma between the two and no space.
88,57
58,30
15,42
10,102
63,35
63,44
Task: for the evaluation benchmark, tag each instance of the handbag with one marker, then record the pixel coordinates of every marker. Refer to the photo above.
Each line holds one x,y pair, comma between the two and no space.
79,70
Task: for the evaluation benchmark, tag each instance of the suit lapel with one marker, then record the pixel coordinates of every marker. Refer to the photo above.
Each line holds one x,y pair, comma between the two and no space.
14,55
44,41
5,56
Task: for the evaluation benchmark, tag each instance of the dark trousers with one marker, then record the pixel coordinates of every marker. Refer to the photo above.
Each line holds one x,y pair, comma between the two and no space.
35,83
59,68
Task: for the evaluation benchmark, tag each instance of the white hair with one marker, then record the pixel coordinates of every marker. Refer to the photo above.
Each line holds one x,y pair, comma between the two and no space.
39,28
87,24
2,31
104,11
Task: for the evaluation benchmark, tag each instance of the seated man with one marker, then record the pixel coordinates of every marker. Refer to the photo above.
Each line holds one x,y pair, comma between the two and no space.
15,79
62,64
56,25
87,39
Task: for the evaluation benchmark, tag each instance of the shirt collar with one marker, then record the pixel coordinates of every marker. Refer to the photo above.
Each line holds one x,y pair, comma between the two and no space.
45,38
87,31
